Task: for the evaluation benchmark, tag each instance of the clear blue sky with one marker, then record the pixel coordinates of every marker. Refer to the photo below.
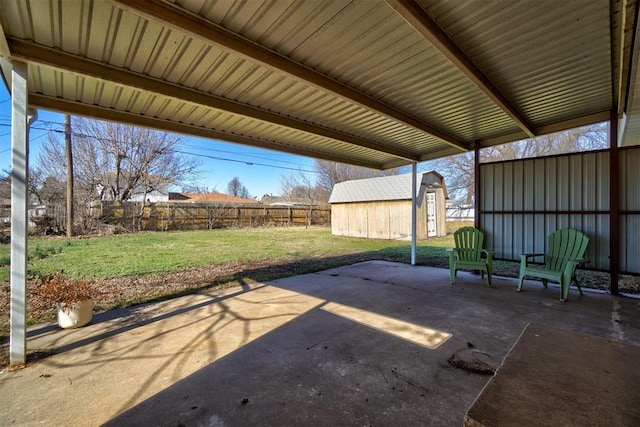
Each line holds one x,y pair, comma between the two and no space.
259,170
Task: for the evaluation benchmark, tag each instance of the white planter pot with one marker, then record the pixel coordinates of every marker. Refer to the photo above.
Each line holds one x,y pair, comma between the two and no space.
76,316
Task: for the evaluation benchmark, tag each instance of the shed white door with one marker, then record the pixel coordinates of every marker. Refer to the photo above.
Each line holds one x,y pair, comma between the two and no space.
431,215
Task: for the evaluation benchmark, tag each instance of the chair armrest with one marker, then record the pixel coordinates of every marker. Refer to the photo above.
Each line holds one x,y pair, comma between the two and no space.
524,258
489,254
577,262
532,255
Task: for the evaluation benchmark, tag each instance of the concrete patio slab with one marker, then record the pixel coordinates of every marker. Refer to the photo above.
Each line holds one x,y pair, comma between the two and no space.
366,344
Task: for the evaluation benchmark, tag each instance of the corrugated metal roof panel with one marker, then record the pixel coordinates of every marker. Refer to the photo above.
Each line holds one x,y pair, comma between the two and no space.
536,54
550,60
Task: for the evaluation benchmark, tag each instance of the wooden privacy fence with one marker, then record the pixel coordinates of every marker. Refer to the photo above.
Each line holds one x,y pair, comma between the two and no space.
200,216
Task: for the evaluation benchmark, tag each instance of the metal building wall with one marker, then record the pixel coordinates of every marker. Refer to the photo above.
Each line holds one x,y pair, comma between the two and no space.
523,201
629,209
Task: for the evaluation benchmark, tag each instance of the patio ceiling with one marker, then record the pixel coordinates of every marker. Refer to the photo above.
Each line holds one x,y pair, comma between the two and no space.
373,83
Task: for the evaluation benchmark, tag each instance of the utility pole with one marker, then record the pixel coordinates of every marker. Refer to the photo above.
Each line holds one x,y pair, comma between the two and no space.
67,143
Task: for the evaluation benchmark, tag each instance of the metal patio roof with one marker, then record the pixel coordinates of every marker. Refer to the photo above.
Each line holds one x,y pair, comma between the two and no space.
373,83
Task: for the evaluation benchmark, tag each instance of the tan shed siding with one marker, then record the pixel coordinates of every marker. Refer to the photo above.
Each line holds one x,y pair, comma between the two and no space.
339,220
441,210
400,214
375,220
359,220
379,223
524,201
421,217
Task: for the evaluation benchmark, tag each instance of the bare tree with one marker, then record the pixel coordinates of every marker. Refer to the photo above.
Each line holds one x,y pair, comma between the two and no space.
5,184
331,173
116,162
113,161
237,189
459,170
300,188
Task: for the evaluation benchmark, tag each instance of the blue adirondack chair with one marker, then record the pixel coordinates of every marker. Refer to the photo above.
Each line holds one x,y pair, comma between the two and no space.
565,251
468,253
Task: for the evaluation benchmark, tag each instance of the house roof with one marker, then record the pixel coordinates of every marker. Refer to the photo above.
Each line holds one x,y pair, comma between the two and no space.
394,187
213,197
376,83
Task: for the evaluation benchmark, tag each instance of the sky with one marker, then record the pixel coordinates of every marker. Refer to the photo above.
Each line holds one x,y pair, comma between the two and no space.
260,171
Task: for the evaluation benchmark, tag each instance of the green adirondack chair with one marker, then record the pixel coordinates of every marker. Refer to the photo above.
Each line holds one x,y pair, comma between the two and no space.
565,251
468,253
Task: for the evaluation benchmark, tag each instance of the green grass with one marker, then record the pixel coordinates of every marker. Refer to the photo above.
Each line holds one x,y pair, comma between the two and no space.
157,252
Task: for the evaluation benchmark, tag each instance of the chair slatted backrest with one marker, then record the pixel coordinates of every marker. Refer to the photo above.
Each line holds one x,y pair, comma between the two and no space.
565,245
468,241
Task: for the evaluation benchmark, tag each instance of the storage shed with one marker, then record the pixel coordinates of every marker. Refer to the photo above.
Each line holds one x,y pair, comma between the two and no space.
380,208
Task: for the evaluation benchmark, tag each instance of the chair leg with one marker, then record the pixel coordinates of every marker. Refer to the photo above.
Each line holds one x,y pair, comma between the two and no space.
564,287
523,269
544,282
575,280
489,273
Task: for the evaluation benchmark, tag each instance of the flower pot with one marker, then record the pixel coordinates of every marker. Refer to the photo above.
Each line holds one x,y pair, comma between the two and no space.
75,316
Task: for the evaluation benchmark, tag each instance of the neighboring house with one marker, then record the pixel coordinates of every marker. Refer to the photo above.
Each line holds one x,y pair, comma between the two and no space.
460,212
285,201
380,208
139,194
150,197
213,197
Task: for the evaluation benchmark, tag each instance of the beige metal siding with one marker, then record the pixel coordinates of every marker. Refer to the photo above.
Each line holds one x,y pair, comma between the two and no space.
630,208
524,201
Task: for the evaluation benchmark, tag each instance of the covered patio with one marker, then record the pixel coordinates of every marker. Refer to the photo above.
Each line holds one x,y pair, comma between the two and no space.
377,84
366,344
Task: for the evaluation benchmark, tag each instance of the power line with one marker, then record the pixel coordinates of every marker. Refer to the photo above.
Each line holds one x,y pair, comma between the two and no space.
239,154
245,162
49,123
186,152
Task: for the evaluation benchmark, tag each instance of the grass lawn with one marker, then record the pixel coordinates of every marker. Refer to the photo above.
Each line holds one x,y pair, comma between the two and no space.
143,267
157,253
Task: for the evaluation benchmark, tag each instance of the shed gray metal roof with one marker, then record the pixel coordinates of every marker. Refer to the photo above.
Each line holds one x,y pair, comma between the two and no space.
368,82
384,188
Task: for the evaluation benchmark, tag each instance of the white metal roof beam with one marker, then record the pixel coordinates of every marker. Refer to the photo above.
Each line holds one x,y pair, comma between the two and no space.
110,114
40,54
185,21
416,16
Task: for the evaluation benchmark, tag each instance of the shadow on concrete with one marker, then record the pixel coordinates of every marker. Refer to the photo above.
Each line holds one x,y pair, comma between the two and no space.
342,346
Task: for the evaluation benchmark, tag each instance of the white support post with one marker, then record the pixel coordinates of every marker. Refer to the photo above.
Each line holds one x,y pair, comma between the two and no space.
414,216
19,215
